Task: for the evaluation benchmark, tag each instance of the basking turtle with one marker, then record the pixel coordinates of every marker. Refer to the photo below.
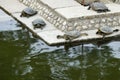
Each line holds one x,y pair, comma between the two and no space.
98,6
87,2
27,12
71,35
105,30
38,23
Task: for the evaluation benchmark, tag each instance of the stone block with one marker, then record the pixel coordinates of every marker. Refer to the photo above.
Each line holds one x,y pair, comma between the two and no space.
64,23
60,3
79,28
92,21
115,23
63,28
97,25
84,27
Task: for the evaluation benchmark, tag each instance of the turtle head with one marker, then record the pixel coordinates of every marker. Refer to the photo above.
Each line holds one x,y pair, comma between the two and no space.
116,30
22,14
60,36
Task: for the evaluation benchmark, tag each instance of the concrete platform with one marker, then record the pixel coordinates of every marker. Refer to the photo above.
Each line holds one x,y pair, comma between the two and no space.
70,9
81,11
49,33
56,4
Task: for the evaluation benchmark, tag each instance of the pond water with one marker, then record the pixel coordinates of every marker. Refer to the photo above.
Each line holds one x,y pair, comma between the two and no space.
24,57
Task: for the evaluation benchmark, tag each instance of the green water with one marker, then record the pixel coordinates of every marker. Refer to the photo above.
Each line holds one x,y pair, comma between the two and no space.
24,57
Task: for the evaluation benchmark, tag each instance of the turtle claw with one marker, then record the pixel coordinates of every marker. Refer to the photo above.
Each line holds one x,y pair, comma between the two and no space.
103,37
89,8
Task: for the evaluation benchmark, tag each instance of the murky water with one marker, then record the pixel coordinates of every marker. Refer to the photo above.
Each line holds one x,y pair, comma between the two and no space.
23,57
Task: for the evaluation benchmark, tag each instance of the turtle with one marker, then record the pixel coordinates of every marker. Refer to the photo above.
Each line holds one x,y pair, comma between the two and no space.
106,30
27,12
87,2
98,6
70,35
38,23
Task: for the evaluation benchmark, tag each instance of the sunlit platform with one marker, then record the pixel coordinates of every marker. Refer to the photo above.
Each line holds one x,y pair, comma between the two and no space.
69,10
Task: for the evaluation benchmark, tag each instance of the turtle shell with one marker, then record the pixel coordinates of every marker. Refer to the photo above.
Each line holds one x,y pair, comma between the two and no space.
73,34
106,30
28,12
70,35
98,6
38,23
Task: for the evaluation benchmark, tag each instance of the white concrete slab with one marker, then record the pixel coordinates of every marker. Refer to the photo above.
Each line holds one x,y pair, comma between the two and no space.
75,12
60,3
80,11
12,6
113,7
53,40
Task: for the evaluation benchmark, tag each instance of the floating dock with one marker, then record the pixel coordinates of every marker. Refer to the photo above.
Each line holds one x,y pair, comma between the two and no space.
64,15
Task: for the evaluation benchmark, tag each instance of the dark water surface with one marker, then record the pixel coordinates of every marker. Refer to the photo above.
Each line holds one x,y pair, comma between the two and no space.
23,57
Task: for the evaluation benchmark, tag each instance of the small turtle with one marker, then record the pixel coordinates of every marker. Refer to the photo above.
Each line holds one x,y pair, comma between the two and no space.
105,30
71,35
27,12
38,23
98,6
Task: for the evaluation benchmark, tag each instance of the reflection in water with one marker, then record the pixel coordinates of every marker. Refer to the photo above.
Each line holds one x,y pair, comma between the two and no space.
23,57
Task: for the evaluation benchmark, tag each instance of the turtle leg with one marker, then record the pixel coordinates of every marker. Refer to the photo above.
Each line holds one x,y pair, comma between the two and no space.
89,8
98,32
103,10
107,10
84,34
28,15
34,27
42,27
66,37
99,11
22,14
103,36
